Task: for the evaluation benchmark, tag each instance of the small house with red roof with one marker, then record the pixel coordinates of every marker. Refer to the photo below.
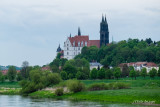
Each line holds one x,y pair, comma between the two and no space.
139,65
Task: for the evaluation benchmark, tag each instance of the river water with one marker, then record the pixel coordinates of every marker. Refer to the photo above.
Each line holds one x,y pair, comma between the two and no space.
20,101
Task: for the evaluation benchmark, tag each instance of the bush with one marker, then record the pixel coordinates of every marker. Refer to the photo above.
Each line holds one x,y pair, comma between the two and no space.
59,92
98,86
63,75
75,86
120,85
103,86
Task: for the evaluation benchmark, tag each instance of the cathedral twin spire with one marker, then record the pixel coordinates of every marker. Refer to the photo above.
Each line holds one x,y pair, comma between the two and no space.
104,19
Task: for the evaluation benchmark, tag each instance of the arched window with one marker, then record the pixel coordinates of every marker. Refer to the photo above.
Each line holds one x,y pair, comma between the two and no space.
82,44
74,43
79,44
85,43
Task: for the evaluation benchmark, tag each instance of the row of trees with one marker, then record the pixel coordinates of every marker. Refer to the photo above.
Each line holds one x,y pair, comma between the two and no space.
132,50
117,73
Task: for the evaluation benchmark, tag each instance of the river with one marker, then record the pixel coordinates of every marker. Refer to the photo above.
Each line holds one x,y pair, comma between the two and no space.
20,101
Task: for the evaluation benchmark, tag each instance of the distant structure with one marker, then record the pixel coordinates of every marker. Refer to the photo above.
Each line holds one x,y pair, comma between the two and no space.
139,65
59,49
74,45
104,32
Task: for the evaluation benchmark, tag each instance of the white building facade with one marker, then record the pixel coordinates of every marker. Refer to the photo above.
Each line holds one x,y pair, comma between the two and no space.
74,45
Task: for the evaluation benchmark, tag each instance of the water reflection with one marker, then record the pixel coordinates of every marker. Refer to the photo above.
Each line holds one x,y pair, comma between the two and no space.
20,101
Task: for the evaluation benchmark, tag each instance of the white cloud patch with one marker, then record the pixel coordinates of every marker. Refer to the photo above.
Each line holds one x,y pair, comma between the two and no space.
36,27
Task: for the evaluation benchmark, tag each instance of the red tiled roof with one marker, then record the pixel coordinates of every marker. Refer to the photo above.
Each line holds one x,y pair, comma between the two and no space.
4,72
151,64
45,68
148,64
94,43
77,39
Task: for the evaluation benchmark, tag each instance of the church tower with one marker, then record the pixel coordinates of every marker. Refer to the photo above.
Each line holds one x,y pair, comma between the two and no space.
104,32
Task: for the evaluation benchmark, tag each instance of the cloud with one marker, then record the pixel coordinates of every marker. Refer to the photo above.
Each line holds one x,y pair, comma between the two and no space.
36,27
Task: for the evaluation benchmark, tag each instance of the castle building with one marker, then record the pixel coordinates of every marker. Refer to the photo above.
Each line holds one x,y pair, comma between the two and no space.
74,45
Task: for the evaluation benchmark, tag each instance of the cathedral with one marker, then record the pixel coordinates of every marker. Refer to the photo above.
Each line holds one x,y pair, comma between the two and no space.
74,45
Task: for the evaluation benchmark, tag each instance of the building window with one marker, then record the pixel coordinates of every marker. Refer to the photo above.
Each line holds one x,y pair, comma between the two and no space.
85,43
82,44
78,52
79,44
78,48
67,45
74,53
74,43
67,53
67,49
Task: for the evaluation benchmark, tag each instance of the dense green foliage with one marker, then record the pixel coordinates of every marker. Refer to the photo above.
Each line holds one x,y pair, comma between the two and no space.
144,72
63,75
153,73
101,73
132,50
39,80
75,86
59,92
11,73
93,73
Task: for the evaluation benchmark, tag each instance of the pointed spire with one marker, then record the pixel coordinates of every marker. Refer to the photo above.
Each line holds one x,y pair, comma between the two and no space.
79,31
102,18
105,19
70,35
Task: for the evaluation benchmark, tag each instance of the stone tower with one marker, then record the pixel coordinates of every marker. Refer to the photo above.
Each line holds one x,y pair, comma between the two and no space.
104,32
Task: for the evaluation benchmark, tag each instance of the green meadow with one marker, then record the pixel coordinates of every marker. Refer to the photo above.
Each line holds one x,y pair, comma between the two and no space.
141,89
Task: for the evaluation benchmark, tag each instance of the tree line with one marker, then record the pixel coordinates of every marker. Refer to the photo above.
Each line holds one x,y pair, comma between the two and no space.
132,50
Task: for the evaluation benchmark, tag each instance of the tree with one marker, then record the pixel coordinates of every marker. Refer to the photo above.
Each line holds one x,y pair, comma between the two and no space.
54,68
125,70
109,73
70,70
101,73
63,75
117,73
93,73
79,75
152,73
25,69
158,72
2,78
11,73
144,72
19,76
132,74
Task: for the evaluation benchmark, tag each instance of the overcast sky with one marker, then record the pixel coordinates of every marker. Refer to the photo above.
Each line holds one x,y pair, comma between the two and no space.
32,29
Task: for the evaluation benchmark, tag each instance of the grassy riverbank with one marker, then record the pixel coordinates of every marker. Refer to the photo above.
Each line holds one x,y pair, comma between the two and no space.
119,96
141,89
9,88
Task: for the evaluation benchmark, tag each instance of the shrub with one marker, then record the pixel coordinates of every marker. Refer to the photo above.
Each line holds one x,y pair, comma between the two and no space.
98,86
59,92
103,86
63,75
75,86
120,85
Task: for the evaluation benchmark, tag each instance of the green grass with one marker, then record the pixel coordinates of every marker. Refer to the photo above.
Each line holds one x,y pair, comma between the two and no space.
9,91
140,82
141,89
9,85
119,96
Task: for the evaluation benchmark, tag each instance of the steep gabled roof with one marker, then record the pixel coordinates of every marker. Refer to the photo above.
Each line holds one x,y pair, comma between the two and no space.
76,39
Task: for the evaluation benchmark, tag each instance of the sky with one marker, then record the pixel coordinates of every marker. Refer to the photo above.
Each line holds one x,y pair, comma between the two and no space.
31,30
